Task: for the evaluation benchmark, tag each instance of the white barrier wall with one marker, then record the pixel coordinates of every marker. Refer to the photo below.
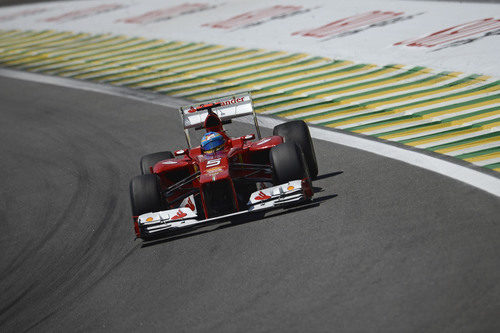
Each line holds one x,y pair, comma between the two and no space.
441,35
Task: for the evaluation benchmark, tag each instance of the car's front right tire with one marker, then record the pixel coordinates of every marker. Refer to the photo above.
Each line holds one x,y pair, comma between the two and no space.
145,194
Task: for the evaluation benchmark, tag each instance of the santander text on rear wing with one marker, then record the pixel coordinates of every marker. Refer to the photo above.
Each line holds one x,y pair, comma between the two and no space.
226,108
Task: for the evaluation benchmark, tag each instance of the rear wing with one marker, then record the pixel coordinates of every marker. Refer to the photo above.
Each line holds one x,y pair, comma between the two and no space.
226,108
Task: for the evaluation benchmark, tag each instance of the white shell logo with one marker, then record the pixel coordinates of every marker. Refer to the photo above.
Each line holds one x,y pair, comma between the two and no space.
261,142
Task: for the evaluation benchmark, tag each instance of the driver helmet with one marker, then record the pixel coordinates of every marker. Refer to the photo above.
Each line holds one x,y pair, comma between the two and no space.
212,142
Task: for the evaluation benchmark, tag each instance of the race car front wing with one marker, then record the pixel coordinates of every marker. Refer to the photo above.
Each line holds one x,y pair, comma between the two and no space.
282,195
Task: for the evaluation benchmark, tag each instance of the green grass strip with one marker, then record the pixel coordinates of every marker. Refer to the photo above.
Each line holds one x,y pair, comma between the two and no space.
70,52
163,84
140,65
463,141
334,90
13,44
473,126
252,81
367,104
33,56
130,55
356,95
249,82
486,86
325,74
209,75
479,153
174,74
86,56
492,166
417,115
44,42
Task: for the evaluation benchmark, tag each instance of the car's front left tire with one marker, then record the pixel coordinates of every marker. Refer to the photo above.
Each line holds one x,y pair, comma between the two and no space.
288,163
297,131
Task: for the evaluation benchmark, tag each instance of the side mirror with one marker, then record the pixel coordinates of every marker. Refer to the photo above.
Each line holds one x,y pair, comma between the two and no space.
181,152
248,137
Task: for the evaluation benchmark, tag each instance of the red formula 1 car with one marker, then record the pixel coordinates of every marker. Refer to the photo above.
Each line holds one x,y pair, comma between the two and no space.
200,185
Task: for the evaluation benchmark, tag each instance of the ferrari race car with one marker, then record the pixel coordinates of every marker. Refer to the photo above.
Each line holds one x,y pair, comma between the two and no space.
225,176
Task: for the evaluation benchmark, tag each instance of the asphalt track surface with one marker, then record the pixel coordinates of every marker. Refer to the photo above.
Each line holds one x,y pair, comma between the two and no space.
389,248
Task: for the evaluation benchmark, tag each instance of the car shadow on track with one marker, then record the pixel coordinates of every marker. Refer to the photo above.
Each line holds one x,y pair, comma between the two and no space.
240,220
328,175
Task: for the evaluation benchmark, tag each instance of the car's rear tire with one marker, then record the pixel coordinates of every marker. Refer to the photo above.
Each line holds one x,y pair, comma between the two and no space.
288,163
149,161
297,131
145,194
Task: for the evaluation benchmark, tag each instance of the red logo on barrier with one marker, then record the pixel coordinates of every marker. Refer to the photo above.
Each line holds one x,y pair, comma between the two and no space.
262,196
81,13
348,24
180,214
255,17
166,13
22,13
454,34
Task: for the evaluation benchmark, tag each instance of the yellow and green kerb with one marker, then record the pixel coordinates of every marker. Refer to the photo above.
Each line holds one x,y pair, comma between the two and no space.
445,112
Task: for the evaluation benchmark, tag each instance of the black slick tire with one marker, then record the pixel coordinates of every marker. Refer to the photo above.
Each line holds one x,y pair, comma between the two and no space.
287,161
297,131
149,161
145,195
